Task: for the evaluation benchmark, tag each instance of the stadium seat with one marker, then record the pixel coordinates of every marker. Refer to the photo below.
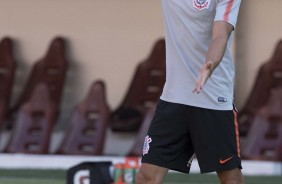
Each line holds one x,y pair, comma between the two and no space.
268,78
136,150
7,72
264,140
144,90
50,70
280,154
87,125
34,123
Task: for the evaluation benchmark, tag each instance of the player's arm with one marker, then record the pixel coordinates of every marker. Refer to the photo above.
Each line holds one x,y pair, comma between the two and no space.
220,35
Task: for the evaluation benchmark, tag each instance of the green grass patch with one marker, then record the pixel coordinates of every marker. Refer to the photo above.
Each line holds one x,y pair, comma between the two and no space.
27,176
213,179
191,178
31,181
32,176
32,173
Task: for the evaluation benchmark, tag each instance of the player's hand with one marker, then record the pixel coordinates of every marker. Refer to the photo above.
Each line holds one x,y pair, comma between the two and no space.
203,76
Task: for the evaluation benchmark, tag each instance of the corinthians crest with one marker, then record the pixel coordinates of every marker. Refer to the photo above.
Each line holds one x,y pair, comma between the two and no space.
201,4
146,146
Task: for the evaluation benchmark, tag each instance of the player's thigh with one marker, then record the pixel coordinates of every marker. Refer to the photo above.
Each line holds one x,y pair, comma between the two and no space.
216,140
150,173
233,176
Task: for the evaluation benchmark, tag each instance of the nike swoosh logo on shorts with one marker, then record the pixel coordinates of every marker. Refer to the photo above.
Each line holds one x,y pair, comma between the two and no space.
225,160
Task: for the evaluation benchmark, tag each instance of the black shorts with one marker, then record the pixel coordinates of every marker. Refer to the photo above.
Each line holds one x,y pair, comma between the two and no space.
179,132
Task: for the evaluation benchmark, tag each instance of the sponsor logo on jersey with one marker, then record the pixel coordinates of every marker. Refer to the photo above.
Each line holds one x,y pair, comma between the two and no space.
146,146
222,99
201,4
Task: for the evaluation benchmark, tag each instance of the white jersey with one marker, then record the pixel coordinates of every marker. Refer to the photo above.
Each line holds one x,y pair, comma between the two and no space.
188,32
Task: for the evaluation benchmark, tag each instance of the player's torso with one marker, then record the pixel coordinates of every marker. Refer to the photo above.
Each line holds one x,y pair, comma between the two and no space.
188,30
190,20
202,11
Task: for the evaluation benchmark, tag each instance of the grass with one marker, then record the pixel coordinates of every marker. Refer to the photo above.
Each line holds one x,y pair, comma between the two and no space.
27,176
23,176
31,181
212,179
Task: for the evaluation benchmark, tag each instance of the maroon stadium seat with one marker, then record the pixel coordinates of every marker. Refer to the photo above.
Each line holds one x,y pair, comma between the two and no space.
264,140
7,72
33,125
145,90
136,150
269,77
280,153
87,125
50,70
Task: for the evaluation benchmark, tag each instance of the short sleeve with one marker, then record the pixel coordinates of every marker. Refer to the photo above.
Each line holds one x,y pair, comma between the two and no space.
227,10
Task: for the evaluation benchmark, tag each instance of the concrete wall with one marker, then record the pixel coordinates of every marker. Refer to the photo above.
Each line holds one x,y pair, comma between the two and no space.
259,30
106,39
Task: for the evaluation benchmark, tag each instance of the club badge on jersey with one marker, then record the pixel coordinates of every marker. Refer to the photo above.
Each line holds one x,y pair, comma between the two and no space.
201,4
146,146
